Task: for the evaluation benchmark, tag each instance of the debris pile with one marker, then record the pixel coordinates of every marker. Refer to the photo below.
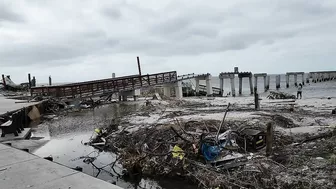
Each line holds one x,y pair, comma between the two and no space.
223,154
280,95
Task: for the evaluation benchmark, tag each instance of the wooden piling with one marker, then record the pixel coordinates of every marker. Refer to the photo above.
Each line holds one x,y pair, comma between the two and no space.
269,139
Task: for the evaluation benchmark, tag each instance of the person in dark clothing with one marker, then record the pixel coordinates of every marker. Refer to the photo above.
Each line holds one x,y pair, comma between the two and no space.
299,91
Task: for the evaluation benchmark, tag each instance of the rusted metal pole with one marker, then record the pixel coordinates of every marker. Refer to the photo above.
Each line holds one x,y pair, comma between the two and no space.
139,67
269,139
4,81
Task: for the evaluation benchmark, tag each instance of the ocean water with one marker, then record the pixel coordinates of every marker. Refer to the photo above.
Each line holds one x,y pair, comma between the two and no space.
310,90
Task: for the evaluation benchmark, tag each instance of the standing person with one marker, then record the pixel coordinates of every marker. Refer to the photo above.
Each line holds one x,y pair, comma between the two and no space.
299,91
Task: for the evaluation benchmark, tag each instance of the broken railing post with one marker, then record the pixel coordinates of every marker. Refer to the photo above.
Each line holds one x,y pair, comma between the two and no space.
269,139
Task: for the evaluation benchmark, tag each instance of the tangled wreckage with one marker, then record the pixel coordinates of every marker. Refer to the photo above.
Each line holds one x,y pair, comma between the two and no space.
215,154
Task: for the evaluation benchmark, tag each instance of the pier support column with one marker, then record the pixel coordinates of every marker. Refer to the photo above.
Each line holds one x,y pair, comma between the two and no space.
197,86
287,80
233,88
240,85
277,81
314,77
221,86
255,83
303,79
209,86
166,90
307,78
178,90
251,85
295,80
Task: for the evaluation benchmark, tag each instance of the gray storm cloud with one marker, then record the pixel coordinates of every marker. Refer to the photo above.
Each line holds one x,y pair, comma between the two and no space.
187,36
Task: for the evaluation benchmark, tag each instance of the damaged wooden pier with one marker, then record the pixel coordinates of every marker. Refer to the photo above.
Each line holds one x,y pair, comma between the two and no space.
105,86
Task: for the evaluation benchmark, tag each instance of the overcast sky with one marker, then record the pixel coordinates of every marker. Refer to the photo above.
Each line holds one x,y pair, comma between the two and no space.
84,39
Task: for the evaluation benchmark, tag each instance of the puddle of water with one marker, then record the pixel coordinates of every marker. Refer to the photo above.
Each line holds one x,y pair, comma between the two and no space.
66,150
67,135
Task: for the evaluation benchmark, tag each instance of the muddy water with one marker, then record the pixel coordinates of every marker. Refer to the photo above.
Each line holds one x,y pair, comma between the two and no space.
67,135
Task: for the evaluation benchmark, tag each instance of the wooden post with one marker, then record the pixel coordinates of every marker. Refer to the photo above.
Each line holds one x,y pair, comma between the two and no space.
29,81
256,99
255,83
269,139
251,85
4,81
50,83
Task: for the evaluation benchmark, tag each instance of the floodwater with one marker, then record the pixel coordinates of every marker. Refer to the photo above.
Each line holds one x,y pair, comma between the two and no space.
67,135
